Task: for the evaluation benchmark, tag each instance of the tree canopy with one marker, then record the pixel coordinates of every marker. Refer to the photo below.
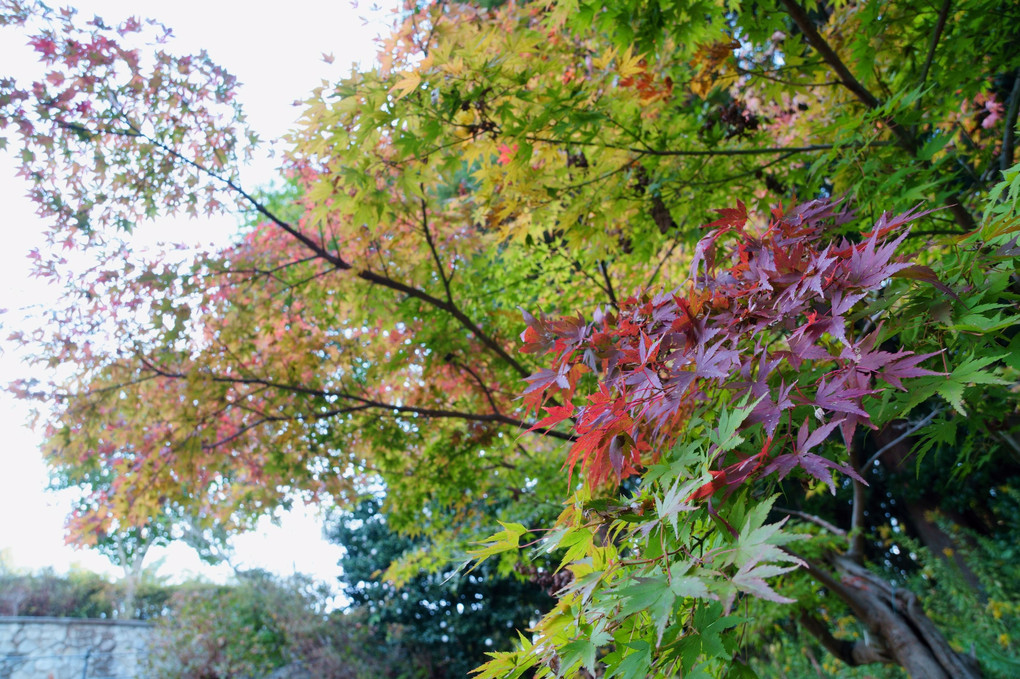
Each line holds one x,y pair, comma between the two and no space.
766,258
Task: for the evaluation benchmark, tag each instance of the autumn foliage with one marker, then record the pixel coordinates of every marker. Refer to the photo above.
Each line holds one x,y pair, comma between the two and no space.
706,432
756,311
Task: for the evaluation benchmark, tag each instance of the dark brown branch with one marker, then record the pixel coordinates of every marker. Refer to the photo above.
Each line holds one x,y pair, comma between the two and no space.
338,262
320,251
609,284
820,45
765,151
268,419
906,140
432,246
435,413
940,25
452,309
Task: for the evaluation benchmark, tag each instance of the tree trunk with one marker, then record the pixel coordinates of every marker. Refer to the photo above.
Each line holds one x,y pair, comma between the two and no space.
919,513
132,566
900,631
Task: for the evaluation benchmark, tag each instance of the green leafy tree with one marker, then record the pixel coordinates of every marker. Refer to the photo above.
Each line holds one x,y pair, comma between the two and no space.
445,620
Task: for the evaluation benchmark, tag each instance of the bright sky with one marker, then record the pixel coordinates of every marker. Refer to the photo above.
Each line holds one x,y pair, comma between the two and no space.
276,51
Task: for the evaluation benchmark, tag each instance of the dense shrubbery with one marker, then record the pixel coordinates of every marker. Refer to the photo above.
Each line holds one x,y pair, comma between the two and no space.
79,594
263,623
259,625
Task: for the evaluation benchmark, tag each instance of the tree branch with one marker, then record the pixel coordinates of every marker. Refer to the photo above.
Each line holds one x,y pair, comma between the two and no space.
922,423
765,151
609,284
452,309
478,380
940,25
267,419
665,258
815,39
321,252
906,140
269,273
432,246
817,520
856,551
435,413
365,274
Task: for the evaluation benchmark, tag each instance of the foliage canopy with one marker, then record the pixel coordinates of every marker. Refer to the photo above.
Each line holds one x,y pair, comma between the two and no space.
730,412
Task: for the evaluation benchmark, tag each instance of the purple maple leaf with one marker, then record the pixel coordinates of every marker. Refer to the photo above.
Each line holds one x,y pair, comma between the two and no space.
815,465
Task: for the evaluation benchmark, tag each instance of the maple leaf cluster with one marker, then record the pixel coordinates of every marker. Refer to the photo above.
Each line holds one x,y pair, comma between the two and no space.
765,321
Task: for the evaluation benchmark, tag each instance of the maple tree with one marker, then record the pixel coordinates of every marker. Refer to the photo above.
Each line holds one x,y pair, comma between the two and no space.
557,157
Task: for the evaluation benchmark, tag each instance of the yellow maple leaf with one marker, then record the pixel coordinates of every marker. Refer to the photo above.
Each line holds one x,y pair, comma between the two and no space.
408,82
454,67
708,61
602,62
630,64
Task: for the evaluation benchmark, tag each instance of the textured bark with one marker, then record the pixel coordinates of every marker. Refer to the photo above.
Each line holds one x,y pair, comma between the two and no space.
900,632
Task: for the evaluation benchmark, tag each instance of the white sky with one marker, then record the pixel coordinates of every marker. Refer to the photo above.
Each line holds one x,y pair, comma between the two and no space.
276,51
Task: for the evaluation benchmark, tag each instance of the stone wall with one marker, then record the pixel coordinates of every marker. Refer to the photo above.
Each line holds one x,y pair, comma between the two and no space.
71,648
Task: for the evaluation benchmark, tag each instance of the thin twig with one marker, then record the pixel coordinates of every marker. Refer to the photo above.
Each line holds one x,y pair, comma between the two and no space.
817,520
609,284
478,380
665,258
919,425
905,138
435,413
432,245
365,274
856,551
762,151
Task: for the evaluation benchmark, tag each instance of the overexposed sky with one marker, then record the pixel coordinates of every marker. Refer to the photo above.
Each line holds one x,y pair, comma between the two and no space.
275,50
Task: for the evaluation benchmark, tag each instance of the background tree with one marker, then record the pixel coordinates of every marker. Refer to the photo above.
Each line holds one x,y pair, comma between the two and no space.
445,621
553,157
